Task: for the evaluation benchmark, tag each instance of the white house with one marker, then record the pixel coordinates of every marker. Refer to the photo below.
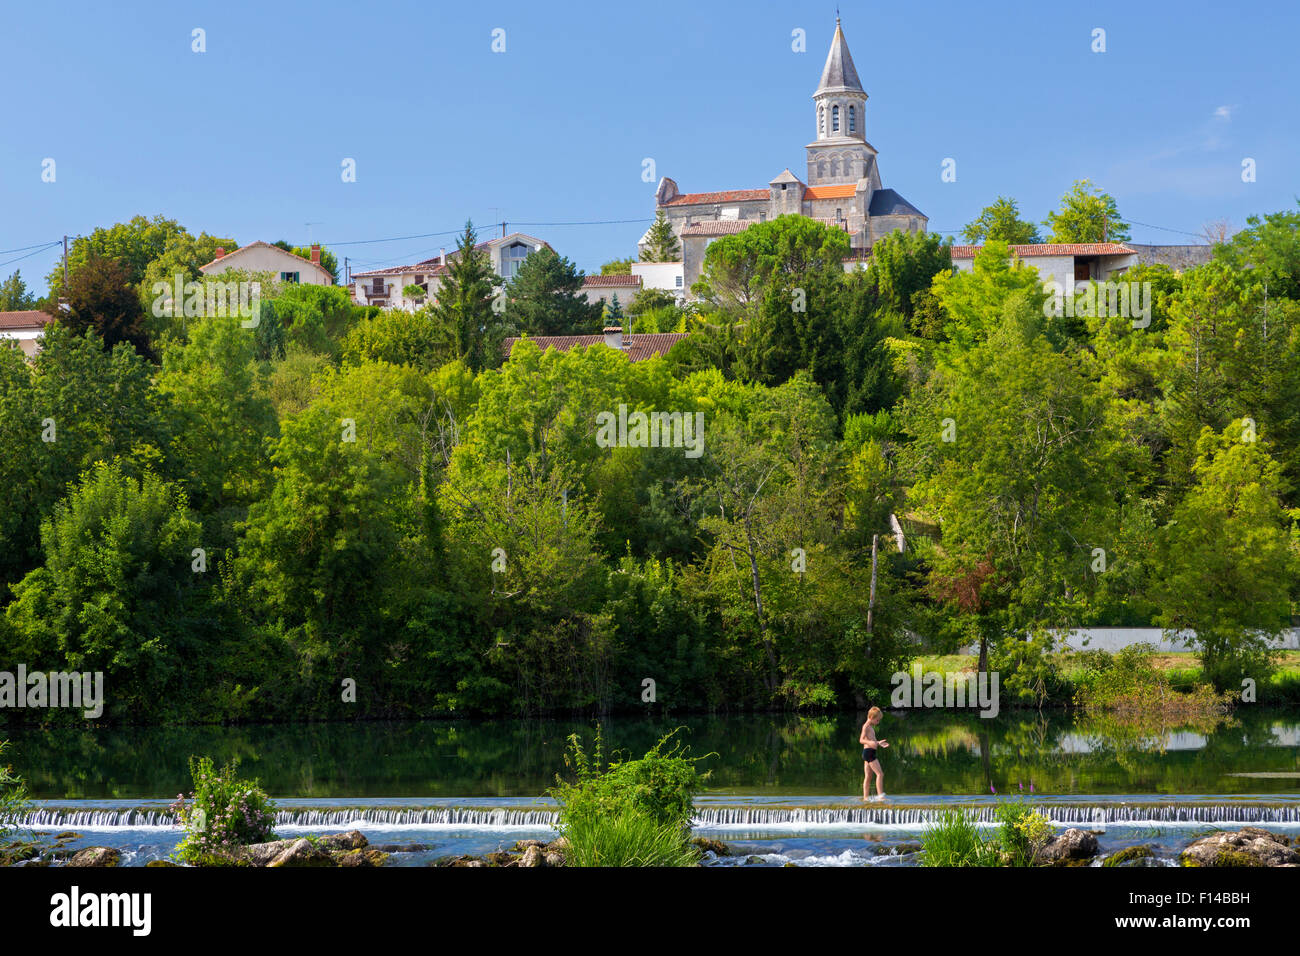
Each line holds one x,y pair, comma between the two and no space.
666,276
264,257
23,330
605,288
385,287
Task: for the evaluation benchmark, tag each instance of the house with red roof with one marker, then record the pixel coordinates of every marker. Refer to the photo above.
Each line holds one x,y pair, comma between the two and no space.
386,287
283,265
23,330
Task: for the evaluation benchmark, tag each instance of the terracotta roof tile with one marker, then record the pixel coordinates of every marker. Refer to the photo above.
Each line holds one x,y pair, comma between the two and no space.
605,282
25,319
730,195
1054,249
717,227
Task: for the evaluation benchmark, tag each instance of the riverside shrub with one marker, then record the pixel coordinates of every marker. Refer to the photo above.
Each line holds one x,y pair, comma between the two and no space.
224,813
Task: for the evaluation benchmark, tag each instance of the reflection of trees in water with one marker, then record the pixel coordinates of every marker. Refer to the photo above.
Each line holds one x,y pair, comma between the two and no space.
931,752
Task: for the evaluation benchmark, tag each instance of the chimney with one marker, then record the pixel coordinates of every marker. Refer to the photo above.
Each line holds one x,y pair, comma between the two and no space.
315,252
614,336
442,256
221,251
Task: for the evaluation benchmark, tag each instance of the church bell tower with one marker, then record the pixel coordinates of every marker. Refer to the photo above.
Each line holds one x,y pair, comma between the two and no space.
840,154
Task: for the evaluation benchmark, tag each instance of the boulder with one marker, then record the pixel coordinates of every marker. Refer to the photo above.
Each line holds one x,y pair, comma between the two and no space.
363,857
716,847
399,847
554,859
523,845
95,856
302,853
1131,856
533,857
261,854
67,835
158,863
352,840
1068,849
1249,846
18,851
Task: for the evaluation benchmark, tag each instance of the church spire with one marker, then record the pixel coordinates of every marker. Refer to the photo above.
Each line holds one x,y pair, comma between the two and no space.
839,73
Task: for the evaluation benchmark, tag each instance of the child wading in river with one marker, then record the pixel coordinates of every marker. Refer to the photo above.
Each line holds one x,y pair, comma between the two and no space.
870,764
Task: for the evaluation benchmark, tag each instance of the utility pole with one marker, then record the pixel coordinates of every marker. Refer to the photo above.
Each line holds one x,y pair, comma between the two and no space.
65,262
871,601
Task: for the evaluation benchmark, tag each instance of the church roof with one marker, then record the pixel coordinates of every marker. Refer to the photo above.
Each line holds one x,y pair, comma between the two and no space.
839,72
786,177
730,195
842,191
886,202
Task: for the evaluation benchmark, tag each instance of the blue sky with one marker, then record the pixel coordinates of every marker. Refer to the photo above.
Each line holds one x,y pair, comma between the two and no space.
247,139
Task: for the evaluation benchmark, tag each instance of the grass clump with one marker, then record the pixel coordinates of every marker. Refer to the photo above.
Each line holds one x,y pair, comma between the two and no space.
954,840
629,812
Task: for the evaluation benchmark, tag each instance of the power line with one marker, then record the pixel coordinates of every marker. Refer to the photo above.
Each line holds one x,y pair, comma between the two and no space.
41,245
457,232
48,245
366,242
591,222
1198,235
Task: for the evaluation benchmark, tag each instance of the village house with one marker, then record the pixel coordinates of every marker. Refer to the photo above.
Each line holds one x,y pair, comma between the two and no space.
1071,263
23,330
264,257
387,287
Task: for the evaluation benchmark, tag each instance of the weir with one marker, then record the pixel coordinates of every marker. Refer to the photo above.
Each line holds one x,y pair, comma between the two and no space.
711,813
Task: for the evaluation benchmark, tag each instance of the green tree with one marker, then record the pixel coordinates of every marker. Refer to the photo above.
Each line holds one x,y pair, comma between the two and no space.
14,296
464,305
1087,214
100,299
1271,247
905,263
222,420
617,267
545,297
337,558
661,243
1227,559
1002,221
399,338
134,244
1014,460
118,594
77,404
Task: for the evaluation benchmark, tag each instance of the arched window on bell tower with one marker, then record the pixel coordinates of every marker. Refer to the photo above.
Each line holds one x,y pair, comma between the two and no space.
821,120
835,118
853,125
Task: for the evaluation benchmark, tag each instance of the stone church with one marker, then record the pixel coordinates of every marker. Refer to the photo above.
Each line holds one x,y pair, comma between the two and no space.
843,186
